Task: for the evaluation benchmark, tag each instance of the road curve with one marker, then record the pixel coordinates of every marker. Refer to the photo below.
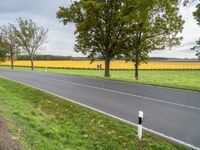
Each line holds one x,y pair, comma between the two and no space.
174,113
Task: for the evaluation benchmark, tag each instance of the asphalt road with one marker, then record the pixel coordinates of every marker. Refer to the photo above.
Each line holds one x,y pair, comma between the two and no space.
174,113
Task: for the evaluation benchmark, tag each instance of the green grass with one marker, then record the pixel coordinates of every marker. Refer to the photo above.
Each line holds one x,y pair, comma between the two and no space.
45,122
185,79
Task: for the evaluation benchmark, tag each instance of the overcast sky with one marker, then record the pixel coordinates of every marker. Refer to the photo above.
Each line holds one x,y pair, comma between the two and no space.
61,38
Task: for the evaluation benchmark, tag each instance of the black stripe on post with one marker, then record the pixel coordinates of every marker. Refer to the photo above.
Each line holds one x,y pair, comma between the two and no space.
140,121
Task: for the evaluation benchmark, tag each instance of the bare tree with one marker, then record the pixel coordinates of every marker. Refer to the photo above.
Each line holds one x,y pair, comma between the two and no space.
30,37
9,42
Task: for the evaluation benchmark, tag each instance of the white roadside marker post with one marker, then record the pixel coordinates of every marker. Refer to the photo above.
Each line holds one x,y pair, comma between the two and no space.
46,69
140,120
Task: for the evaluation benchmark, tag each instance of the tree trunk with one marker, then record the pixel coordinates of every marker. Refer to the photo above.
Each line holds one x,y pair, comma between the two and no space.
11,59
107,66
137,61
32,64
136,66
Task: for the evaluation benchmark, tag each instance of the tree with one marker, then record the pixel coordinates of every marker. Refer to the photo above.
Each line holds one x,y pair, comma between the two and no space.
196,15
2,55
154,26
99,27
125,27
197,48
9,42
30,37
3,50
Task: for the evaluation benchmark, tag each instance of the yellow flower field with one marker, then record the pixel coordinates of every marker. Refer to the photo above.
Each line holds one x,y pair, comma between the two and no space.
114,64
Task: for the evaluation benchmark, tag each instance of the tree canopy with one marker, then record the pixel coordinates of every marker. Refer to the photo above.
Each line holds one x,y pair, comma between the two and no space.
99,27
154,26
196,15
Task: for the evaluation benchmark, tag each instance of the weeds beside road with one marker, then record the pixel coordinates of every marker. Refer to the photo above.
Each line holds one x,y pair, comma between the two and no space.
43,121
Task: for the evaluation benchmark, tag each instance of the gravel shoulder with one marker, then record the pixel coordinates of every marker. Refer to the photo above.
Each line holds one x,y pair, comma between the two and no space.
7,141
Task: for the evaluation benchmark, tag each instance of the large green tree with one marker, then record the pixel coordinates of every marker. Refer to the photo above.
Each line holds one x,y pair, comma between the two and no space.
154,26
130,28
9,41
99,27
30,37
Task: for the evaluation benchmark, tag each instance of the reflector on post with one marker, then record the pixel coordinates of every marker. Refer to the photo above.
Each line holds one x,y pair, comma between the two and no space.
140,120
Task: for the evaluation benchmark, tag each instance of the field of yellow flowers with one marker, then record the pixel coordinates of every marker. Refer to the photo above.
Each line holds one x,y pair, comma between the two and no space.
118,64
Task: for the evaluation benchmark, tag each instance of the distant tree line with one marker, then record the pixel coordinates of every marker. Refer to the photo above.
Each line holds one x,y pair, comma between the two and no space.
54,57
49,57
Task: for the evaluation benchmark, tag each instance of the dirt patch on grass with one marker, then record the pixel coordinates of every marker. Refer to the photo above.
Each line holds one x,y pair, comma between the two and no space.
7,142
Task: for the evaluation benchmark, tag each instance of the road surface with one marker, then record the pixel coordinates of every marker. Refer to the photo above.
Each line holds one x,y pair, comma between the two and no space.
174,113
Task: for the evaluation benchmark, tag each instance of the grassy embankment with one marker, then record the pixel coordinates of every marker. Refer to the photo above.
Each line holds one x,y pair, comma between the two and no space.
182,79
41,121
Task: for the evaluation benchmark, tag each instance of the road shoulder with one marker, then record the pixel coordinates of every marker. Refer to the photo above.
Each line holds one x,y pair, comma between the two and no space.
7,141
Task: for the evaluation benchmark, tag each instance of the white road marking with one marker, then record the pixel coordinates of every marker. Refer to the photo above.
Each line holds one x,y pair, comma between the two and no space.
113,116
133,83
128,94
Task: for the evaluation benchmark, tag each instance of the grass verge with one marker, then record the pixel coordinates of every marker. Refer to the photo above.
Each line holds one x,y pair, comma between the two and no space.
183,79
41,121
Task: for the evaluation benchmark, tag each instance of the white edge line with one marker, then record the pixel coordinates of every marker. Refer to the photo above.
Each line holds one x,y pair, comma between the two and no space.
113,116
115,81
123,93
121,81
130,83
